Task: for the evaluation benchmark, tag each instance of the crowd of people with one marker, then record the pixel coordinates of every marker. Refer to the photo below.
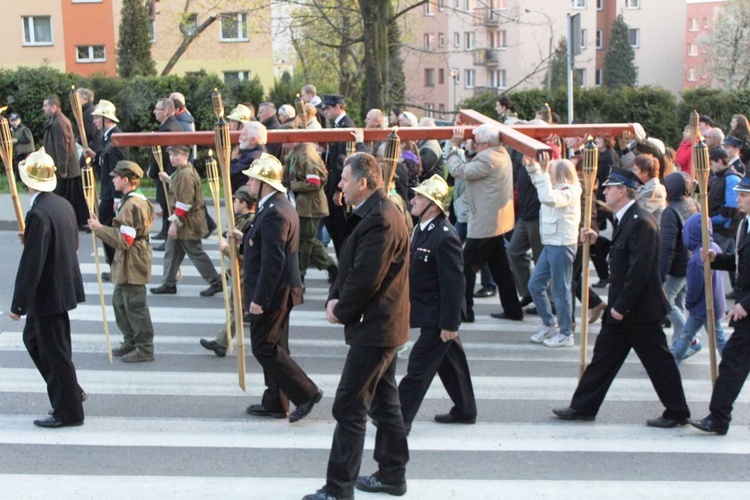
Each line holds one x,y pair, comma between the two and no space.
407,253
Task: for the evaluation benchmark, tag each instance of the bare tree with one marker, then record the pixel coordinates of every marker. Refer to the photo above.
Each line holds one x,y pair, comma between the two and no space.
729,45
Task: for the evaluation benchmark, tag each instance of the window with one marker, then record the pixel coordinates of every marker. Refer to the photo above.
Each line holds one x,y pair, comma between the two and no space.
467,5
429,77
469,40
635,37
469,78
236,76
584,38
598,77
441,40
581,76
90,53
427,39
502,41
428,10
430,110
637,76
705,22
599,39
441,5
441,109
456,39
599,4
578,4
37,30
153,32
87,1
691,75
234,27
441,76
456,4
692,50
456,75
693,24
632,4
497,79
502,4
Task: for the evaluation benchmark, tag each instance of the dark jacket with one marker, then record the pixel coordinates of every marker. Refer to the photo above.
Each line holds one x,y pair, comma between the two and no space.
722,202
528,199
94,136
673,256
270,251
436,276
106,161
431,155
59,143
170,125
186,120
49,276
695,297
274,149
635,289
247,157
334,158
24,141
373,281
741,264
307,176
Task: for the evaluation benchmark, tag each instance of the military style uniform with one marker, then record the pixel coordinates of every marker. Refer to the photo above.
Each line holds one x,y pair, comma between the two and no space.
131,269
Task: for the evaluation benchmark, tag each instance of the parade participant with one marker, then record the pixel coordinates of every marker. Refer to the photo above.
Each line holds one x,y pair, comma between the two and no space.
93,134
734,366
48,285
239,116
436,292
722,204
187,225
23,140
272,287
131,267
267,116
636,308
244,211
164,114
371,299
253,137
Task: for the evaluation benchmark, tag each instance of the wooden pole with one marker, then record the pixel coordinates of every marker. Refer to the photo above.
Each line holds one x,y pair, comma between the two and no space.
6,151
390,158
701,169
75,104
223,152
212,173
156,151
88,191
590,167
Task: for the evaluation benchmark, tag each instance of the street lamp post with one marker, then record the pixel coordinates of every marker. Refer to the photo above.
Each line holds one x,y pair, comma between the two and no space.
454,75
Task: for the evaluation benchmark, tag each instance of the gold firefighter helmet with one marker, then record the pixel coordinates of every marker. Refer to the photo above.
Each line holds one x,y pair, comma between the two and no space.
38,171
435,189
267,169
105,109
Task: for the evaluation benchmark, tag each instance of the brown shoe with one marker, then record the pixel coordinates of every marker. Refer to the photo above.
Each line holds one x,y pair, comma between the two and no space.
596,312
137,355
123,349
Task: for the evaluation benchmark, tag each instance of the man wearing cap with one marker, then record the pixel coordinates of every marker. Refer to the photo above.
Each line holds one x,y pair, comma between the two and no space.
59,143
253,137
48,285
734,366
131,267
436,292
23,140
105,161
244,211
636,308
722,203
187,225
733,145
272,287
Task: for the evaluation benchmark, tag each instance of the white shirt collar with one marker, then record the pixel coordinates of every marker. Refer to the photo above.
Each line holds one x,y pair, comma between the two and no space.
339,118
265,198
33,198
621,213
424,224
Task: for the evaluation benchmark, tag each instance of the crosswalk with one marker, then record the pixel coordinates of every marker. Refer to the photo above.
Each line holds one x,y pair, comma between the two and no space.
177,428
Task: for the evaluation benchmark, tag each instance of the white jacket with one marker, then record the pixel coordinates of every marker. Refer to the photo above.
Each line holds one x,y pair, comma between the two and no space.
560,215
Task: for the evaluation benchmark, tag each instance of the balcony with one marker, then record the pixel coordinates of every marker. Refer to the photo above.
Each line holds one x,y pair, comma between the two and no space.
486,57
486,16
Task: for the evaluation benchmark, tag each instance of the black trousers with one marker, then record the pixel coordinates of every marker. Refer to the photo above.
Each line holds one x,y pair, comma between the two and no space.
285,380
733,371
161,199
430,355
106,216
491,251
368,383
594,299
72,190
47,340
335,223
610,350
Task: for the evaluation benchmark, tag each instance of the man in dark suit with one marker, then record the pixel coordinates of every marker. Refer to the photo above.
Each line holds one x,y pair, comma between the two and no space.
271,288
164,114
636,308
436,289
48,285
334,108
371,299
267,116
105,161
734,366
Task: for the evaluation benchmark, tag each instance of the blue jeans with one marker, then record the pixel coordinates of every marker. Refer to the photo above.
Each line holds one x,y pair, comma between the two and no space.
675,287
689,331
555,264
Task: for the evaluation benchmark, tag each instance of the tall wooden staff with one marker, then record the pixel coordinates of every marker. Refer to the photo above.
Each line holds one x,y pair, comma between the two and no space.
156,150
75,104
391,157
88,191
299,104
223,152
6,151
590,166
701,169
212,172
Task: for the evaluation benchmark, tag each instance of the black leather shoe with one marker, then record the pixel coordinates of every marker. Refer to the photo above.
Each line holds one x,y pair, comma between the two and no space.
373,484
158,248
601,284
666,423
214,346
468,317
304,409
160,236
571,414
53,423
484,292
525,301
708,424
450,418
262,411
164,290
212,290
322,494
502,315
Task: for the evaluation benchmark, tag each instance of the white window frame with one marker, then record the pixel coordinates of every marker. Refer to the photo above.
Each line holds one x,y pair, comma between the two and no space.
599,77
427,41
467,6
456,39
441,5
88,1
502,5
693,24
30,31
502,40
429,77
241,18
599,4
91,58
637,32
469,40
578,4
153,32
632,4
691,75
584,38
599,39
428,10
441,76
582,73
469,76
441,110
242,75
441,39
430,110
705,22
692,50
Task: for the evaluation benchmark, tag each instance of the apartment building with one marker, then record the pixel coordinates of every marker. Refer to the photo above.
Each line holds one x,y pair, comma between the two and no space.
700,22
456,49
80,36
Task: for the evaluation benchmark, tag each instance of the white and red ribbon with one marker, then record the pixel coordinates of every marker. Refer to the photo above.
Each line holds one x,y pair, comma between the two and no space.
128,233
181,209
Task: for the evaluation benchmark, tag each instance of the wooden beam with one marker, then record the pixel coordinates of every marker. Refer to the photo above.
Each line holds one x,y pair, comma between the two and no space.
518,141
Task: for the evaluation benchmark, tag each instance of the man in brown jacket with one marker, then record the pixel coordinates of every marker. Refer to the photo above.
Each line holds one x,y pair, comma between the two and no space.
187,225
131,267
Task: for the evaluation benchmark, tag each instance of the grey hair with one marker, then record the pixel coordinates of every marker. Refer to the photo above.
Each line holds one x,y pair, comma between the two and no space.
365,166
287,110
487,134
257,130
